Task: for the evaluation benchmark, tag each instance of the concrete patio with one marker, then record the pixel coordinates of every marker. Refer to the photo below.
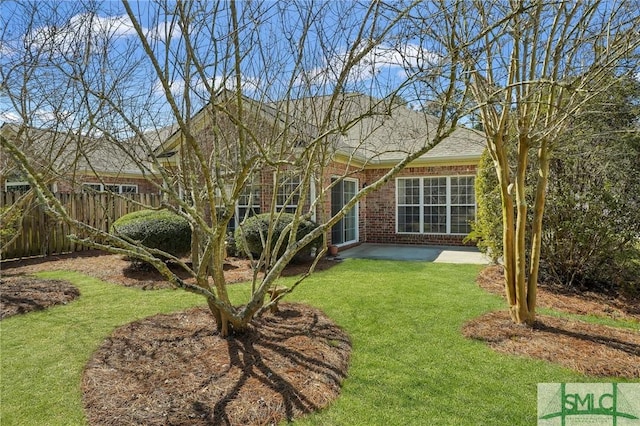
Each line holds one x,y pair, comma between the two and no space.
442,254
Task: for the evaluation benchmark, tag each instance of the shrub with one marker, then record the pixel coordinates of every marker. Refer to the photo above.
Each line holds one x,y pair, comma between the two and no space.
254,230
10,217
487,228
162,230
592,222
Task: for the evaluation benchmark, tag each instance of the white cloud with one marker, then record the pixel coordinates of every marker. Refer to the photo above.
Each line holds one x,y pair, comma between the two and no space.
41,117
9,117
177,87
80,30
163,31
378,59
92,30
7,49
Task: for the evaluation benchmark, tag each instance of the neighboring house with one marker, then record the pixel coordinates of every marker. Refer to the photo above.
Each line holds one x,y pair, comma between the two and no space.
73,163
432,201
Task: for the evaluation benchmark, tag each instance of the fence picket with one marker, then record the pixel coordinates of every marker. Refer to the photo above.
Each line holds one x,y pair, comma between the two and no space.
45,235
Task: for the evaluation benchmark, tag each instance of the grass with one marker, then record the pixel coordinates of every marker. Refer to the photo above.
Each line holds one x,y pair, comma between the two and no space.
410,364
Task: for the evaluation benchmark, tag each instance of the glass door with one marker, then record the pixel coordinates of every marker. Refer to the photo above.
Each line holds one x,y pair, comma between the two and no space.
346,230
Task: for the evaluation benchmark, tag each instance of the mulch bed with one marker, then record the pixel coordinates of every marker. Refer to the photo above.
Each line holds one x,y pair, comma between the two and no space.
21,294
591,349
114,269
174,370
560,299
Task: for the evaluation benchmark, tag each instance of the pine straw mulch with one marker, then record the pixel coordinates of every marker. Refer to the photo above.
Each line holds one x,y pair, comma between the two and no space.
555,297
591,349
173,370
176,370
21,294
114,269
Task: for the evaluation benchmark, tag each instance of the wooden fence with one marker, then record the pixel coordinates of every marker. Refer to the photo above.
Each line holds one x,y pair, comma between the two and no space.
43,235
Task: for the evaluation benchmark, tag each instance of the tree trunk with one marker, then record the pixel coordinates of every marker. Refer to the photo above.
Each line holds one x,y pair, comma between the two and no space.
520,314
536,228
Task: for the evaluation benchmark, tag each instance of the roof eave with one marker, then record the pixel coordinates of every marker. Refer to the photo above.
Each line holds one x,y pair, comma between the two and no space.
469,159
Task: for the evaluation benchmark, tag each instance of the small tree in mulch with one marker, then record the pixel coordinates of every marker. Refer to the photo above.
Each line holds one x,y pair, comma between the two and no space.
170,369
271,133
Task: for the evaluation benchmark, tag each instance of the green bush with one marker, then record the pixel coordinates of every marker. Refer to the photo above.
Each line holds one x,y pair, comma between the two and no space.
254,230
10,218
486,231
162,230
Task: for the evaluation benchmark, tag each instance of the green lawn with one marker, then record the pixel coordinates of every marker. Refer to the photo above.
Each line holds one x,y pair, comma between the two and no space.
410,365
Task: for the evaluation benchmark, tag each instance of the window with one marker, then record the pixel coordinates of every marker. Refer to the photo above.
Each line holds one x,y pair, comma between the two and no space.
463,204
90,187
435,205
17,186
288,194
115,188
248,205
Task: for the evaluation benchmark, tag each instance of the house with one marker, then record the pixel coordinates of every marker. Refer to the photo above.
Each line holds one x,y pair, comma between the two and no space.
75,163
431,201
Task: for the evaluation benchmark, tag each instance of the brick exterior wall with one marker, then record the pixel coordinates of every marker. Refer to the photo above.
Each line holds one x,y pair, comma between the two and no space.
377,211
378,217
144,186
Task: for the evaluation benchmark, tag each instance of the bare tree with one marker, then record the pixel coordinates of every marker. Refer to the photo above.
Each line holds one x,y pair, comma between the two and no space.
529,79
240,89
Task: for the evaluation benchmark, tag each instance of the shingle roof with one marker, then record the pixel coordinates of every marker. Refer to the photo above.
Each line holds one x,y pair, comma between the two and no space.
378,132
369,130
66,151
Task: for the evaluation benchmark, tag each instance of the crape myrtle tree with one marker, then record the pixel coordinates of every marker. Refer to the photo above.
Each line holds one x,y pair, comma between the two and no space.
592,219
227,83
529,78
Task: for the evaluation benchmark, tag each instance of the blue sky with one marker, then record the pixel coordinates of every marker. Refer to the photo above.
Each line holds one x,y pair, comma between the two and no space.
270,33
102,45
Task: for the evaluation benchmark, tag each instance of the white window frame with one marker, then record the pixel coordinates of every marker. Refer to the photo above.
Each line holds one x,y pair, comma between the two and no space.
253,203
130,185
421,205
8,185
90,186
99,187
284,180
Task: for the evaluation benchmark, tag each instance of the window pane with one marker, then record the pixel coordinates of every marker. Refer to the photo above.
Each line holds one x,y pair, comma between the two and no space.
408,219
286,187
90,187
409,191
462,190
435,191
250,196
435,219
461,218
17,187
